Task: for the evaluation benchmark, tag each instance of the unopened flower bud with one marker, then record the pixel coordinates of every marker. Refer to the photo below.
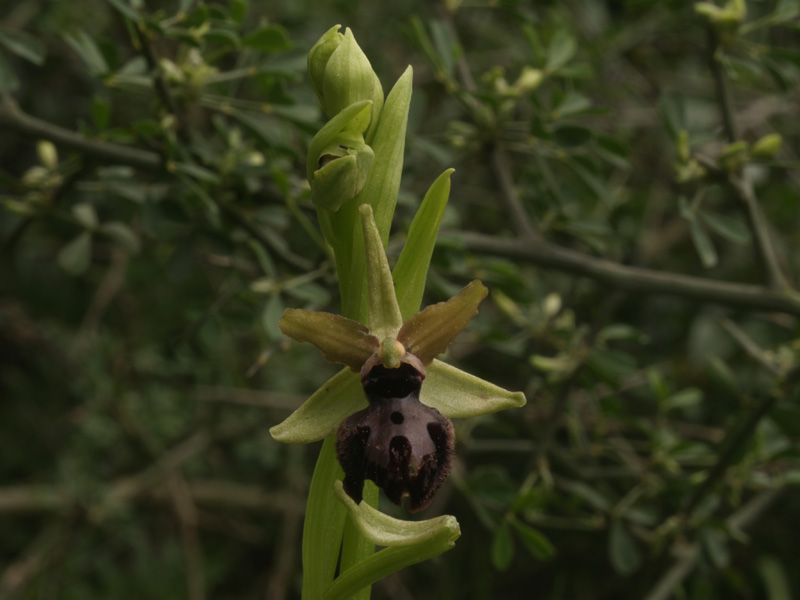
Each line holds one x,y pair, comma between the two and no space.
341,75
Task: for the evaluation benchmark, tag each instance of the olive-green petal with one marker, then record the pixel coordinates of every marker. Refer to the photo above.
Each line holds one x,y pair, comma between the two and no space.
320,415
457,394
427,333
341,340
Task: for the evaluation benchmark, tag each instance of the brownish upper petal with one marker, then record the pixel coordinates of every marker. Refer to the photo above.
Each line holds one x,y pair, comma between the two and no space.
341,340
429,332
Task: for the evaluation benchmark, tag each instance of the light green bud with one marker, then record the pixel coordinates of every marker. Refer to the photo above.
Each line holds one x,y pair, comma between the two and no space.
733,155
342,173
341,75
768,146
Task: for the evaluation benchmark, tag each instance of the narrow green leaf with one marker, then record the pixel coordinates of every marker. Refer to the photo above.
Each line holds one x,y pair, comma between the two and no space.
271,38
411,270
320,415
427,334
122,235
622,550
715,545
237,10
8,78
457,394
340,340
673,106
101,113
502,547
88,50
23,45
775,578
536,543
324,523
730,228
85,215
561,49
76,256
388,143
271,315
571,136
703,245
126,9
384,313
611,365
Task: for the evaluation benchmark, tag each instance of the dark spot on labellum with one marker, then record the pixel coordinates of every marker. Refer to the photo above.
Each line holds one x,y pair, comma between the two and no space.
402,445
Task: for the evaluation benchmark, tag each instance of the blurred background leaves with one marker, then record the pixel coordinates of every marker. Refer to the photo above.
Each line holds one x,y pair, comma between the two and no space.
155,221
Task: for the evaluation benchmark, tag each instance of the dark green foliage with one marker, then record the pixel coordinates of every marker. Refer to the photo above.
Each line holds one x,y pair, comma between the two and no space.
599,148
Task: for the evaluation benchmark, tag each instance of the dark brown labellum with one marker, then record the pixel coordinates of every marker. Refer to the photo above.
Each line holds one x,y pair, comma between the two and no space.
399,443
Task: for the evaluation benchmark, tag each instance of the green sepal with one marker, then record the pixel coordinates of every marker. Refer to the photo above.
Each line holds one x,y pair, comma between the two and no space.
383,530
384,314
457,394
411,269
320,415
427,333
341,340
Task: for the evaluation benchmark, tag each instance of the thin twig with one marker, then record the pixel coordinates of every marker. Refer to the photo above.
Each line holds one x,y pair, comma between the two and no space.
186,511
519,218
12,118
743,189
635,279
742,518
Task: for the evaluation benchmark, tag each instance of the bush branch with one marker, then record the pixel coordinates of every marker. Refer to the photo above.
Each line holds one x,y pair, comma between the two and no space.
12,118
635,279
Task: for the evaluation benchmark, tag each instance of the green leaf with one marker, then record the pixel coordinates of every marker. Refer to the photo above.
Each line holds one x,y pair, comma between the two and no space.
686,397
340,340
715,545
126,9
271,38
122,235
502,547
561,49
731,228
8,78
427,333
320,415
702,243
324,523
85,215
457,394
237,10
101,113
673,106
571,136
622,550
775,578
23,45
411,270
88,50
611,365
76,256
536,543
271,316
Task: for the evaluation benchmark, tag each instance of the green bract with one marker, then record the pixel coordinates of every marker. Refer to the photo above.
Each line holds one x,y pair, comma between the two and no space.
425,334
